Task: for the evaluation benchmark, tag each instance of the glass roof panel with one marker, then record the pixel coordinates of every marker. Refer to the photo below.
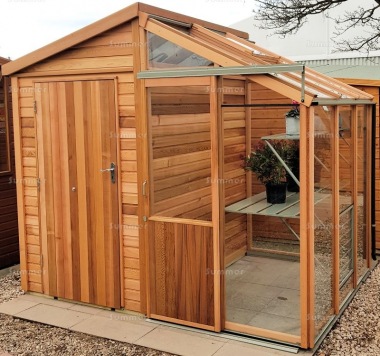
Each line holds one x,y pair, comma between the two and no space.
165,54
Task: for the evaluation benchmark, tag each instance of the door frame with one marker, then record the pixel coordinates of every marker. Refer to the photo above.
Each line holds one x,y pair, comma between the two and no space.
39,142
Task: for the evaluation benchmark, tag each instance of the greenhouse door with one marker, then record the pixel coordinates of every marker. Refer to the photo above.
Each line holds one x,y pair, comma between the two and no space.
183,241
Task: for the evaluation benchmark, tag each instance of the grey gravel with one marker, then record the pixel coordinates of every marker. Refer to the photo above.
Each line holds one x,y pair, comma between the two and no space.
357,331
10,286
24,338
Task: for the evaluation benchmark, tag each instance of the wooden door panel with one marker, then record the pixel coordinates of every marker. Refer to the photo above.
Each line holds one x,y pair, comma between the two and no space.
181,278
77,121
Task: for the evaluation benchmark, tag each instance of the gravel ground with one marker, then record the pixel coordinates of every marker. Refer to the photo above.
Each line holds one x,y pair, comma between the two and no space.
356,333
19,337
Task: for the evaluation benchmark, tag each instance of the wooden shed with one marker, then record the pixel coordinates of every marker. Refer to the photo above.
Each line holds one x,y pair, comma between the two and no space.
9,250
130,136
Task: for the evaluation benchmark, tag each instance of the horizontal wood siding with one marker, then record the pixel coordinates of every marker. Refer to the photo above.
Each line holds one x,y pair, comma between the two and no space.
181,152
29,181
130,226
9,245
109,51
109,54
234,122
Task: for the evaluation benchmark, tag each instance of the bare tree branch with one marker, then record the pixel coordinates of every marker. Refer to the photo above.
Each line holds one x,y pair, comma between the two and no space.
367,19
286,17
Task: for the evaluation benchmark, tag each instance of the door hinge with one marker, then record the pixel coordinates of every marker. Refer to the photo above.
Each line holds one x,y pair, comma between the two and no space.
42,262
38,184
35,107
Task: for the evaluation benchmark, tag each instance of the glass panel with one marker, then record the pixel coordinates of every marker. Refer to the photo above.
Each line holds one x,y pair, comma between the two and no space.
323,209
165,54
362,169
181,152
263,287
346,253
345,202
4,134
270,234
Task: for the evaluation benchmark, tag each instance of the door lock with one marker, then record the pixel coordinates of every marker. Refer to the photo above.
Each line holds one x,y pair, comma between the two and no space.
112,170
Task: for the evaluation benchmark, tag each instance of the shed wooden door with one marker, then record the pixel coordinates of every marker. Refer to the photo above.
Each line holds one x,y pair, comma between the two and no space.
78,203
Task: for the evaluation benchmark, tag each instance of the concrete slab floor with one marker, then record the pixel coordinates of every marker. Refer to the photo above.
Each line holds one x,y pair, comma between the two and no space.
264,292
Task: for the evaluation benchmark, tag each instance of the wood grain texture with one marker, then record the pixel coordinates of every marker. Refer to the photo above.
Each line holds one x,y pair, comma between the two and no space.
235,178
181,152
79,216
181,265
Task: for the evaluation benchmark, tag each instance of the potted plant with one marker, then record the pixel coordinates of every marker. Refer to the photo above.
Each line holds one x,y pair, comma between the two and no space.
269,170
292,118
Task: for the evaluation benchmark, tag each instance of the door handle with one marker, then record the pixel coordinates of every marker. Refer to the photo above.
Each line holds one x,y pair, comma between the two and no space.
112,170
144,188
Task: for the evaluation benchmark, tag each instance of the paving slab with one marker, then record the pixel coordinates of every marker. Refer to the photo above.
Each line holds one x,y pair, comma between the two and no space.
129,327
16,306
86,309
113,329
55,316
242,349
180,343
47,301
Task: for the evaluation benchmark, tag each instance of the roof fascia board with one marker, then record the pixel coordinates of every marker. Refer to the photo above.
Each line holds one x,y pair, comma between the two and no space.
361,82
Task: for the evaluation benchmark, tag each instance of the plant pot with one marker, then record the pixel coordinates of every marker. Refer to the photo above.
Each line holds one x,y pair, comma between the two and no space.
292,185
292,125
276,193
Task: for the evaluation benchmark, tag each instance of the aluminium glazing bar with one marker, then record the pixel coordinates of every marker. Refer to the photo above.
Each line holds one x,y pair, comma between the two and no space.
327,102
208,71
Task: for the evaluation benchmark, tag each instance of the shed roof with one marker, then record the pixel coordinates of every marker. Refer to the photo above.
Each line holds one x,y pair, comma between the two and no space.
2,61
348,71
105,24
223,46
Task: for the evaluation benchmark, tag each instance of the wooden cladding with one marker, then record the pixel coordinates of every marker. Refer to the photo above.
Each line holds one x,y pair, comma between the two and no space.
235,138
79,204
181,273
181,152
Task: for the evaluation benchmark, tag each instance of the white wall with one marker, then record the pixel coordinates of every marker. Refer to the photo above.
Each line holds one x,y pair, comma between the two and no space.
312,41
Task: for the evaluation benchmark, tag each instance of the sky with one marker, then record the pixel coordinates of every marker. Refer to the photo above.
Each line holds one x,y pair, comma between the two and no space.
27,25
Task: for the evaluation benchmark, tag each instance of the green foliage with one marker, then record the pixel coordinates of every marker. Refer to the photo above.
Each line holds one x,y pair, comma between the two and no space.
263,162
